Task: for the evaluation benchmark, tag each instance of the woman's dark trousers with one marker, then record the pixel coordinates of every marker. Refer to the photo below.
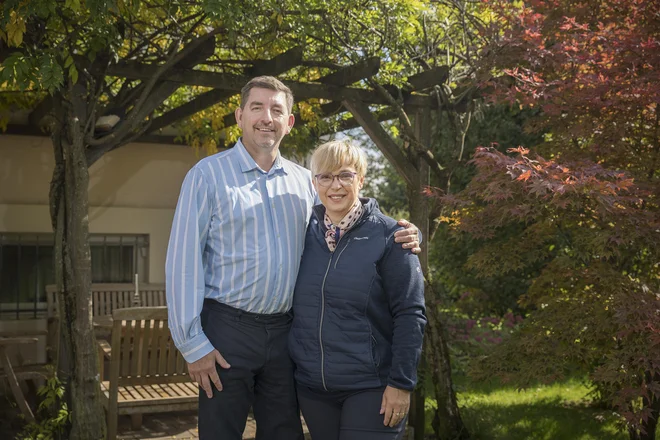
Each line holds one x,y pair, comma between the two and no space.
346,415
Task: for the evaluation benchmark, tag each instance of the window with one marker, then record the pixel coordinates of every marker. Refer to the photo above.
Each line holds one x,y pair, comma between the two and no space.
26,267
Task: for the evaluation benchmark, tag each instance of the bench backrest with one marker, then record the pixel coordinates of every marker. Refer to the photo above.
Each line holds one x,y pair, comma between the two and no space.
107,297
142,348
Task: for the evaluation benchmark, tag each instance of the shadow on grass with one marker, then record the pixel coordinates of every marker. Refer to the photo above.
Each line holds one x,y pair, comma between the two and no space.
544,419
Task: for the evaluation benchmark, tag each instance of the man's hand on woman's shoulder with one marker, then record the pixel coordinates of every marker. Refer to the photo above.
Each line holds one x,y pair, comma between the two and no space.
409,236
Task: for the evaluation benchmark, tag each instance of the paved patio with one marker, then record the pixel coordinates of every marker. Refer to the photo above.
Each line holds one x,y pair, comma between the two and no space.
179,426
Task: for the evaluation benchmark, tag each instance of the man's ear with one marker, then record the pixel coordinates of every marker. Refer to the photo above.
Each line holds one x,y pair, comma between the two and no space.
290,122
238,113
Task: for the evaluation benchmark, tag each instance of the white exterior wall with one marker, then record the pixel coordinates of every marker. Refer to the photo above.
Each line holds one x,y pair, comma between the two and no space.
132,190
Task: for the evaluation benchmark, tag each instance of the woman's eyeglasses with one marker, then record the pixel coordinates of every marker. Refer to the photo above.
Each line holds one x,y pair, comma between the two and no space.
345,178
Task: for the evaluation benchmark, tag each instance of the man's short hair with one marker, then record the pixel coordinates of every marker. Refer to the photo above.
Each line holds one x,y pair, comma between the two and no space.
333,155
266,82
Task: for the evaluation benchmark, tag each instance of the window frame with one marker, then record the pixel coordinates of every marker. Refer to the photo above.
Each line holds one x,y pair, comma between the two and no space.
17,309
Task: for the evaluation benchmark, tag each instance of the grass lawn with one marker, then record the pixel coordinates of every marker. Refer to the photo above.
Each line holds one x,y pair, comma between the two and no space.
551,412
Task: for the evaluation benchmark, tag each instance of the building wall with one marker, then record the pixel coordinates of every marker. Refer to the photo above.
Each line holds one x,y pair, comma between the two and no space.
132,190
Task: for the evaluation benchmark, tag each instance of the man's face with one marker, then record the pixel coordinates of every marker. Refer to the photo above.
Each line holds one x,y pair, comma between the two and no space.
264,120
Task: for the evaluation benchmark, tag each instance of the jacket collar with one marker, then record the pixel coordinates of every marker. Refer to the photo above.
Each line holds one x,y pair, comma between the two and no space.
369,205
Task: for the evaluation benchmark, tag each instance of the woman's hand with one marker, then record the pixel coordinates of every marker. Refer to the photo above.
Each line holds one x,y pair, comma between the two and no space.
395,405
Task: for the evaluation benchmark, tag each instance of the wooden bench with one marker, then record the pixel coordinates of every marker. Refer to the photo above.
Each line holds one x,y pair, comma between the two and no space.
109,296
147,374
106,297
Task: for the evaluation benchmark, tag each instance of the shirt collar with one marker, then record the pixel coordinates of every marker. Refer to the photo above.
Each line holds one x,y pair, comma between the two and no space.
248,163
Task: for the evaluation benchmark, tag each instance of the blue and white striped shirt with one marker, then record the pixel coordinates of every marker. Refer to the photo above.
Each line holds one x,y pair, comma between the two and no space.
237,237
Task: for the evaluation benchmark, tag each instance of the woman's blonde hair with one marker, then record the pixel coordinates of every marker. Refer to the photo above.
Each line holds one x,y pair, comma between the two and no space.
334,154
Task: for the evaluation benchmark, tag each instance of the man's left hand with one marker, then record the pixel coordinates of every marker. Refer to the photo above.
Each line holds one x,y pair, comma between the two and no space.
409,236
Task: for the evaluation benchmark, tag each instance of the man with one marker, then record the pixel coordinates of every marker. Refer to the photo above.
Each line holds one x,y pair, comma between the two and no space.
232,263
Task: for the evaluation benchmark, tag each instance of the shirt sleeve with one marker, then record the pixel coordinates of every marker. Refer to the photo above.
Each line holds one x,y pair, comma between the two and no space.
184,269
403,282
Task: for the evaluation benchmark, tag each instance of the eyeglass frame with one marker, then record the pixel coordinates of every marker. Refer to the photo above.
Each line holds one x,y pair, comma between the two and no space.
336,176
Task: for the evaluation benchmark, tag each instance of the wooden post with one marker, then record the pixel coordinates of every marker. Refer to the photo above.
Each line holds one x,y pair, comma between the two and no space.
419,215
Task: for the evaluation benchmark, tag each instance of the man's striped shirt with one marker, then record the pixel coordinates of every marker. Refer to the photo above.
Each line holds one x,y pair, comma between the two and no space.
237,237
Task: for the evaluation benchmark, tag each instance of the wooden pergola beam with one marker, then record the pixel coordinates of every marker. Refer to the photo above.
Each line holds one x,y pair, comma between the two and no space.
30,130
383,140
234,83
429,78
278,64
201,102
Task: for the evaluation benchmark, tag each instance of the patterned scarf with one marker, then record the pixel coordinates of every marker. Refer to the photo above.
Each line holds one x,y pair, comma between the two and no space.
334,232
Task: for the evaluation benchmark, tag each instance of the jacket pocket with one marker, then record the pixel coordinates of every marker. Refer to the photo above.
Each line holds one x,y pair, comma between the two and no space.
374,352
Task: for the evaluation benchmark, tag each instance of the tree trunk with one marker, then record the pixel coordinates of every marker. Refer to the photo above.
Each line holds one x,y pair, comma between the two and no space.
448,424
78,364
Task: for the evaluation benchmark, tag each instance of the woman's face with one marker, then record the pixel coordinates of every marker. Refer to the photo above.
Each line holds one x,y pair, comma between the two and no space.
338,195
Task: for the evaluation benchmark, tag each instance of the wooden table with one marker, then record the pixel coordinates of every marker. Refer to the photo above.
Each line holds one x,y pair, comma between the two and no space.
11,375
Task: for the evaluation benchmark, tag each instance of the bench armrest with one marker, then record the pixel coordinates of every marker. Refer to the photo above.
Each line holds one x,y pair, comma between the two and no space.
105,350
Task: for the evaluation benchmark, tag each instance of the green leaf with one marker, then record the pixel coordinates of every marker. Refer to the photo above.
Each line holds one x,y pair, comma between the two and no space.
15,29
74,5
51,76
73,74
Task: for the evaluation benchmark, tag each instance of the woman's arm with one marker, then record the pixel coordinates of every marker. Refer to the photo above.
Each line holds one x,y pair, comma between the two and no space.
403,283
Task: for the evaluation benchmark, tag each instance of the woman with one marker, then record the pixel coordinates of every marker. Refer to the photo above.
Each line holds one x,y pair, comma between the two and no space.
358,308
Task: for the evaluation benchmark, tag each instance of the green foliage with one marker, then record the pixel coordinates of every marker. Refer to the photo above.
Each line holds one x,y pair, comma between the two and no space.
591,227
590,236
52,413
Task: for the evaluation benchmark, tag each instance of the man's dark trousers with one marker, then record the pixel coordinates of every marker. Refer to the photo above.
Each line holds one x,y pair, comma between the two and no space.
261,376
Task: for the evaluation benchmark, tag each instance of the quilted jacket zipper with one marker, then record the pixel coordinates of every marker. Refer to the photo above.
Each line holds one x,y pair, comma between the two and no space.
321,322
332,254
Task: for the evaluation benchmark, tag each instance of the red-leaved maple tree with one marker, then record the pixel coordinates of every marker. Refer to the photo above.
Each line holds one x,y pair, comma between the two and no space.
588,214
